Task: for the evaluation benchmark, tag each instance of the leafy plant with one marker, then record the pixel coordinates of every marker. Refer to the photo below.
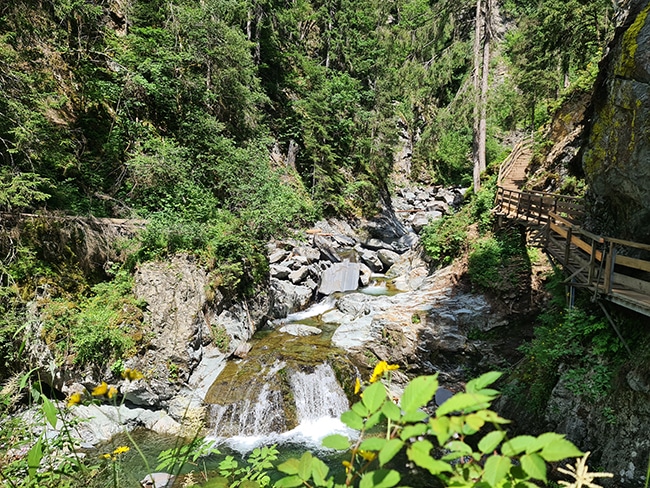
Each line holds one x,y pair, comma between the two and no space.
434,439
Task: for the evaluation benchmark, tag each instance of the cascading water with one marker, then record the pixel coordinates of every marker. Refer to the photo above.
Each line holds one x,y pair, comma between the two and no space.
318,395
265,417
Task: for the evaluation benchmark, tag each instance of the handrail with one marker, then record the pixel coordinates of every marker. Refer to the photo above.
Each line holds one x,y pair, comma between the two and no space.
542,193
596,262
508,163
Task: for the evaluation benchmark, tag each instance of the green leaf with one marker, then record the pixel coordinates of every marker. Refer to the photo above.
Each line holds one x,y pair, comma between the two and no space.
496,468
381,478
490,442
459,446
374,396
249,484
542,440
416,416
319,471
288,482
419,454
534,466
493,417
290,466
360,409
559,449
50,411
389,451
391,411
517,445
336,441
440,427
34,457
352,420
217,482
412,431
477,384
463,402
474,422
373,444
304,466
373,420
419,392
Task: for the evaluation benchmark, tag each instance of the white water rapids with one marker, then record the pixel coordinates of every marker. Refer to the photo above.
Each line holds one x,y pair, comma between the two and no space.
319,402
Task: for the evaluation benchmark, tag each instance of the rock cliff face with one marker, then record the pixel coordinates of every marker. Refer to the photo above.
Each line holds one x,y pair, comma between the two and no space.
616,158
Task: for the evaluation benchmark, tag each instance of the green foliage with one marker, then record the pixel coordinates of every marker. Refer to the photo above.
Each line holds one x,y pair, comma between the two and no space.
584,343
101,328
546,58
252,474
498,262
494,460
446,238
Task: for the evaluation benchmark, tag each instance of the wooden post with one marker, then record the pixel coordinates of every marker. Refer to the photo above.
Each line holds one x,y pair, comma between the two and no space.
567,247
592,262
609,268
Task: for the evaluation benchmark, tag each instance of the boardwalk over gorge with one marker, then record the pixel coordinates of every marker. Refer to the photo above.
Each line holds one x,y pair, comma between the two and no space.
611,269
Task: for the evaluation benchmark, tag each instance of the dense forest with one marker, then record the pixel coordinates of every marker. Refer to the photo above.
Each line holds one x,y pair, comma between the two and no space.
219,124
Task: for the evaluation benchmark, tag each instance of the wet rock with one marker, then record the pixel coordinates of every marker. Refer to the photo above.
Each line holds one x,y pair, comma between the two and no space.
340,277
365,273
300,330
312,254
375,244
388,258
278,256
287,298
406,242
299,275
419,221
279,271
157,480
355,333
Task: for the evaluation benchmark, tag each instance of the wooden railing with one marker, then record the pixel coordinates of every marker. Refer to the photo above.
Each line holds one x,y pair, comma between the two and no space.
507,165
534,207
612,269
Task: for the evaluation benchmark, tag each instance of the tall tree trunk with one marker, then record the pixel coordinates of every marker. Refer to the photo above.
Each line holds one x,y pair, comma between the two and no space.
476,77
482,133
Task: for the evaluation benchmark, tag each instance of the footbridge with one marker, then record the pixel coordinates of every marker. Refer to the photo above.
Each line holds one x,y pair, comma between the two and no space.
611,269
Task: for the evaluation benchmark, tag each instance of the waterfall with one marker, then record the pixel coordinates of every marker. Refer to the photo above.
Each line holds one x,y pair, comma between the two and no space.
318,395
264,417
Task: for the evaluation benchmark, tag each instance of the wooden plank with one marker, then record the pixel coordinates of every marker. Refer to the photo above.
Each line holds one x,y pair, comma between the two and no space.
641,286
636,245
576,241
559,230
633,262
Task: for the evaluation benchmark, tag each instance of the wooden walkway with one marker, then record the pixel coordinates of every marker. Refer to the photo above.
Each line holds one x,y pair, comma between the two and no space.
611,269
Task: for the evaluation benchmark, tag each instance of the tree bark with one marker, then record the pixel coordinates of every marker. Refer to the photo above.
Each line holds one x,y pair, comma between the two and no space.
476,76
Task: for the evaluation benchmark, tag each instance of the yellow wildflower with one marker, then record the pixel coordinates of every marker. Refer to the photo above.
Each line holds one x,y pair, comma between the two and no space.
348,466
357,386
112,391
106,456
132,374
100,390
121,450
74,399
380,369
367,455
